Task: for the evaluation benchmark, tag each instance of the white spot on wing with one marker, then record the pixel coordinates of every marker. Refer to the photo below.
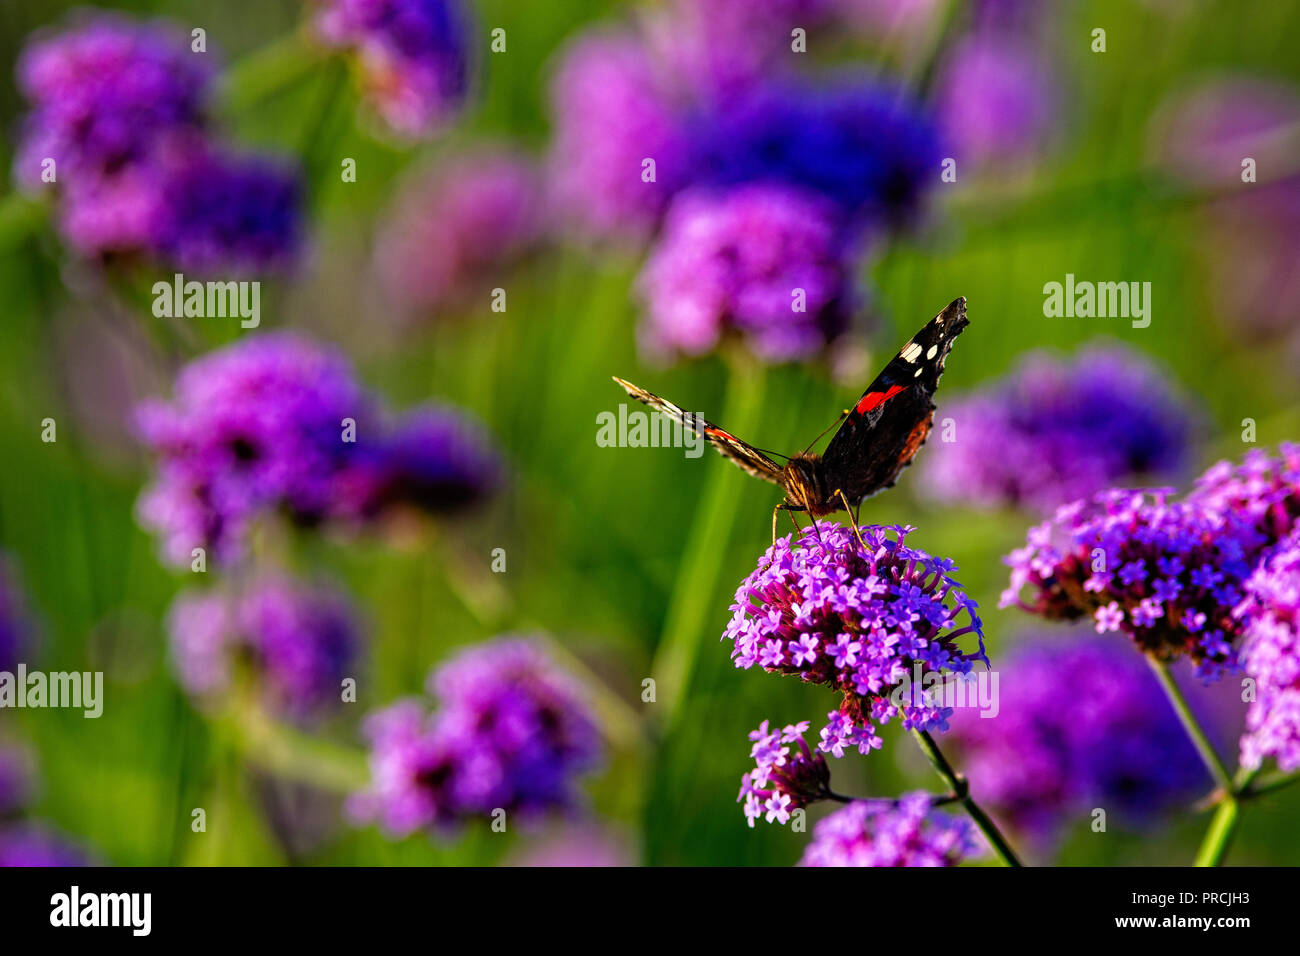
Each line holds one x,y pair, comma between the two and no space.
910,352
934,350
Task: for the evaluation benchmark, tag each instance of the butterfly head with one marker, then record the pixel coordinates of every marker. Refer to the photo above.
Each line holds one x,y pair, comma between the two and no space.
805,485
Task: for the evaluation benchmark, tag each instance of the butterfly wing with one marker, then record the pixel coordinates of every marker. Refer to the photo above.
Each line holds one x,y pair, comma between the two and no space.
729,446
892,419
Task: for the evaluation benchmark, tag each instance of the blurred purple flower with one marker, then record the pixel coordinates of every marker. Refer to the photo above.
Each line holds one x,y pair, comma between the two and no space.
299,642
863,144
996,100
1271,655
1251,235
1054,430
1081,723
454,232
512,733
1202,134
764,263
436,458
105,91
611,110
254,427
119,106
903,832
220,212
35,846
717,47
863,623
782,781
413,56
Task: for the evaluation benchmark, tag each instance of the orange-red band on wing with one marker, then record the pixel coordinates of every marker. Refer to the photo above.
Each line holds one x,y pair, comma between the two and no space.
872,399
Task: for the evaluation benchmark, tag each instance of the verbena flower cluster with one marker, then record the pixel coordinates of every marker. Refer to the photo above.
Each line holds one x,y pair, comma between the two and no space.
453,230
1271,655
862,622
1169,574
729,263
413,56
510,732
262,427
1053,431
1081,723
783,780
903,832
117,108
294,642
1165,573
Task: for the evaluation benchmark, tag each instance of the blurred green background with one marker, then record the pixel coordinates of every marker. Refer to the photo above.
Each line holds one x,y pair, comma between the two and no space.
607,548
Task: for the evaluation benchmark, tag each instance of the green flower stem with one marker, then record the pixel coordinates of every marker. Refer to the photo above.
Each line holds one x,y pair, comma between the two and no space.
694,602
293,754
961,793
1214,847
1193,727
1269,784
269,71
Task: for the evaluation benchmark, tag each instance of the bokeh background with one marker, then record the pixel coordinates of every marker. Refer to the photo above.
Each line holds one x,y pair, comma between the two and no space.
627,557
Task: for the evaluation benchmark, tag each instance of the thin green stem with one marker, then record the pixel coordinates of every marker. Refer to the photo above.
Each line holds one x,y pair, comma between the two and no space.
1218,838
1193,726
961,793
1269,785
694,597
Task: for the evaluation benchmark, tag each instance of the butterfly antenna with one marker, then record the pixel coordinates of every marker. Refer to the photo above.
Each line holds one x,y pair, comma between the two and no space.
774,454
843,415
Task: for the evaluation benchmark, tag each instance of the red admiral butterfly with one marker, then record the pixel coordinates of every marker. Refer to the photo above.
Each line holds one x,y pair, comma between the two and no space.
878,438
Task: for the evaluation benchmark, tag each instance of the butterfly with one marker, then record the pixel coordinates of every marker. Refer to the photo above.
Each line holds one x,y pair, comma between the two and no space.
877,438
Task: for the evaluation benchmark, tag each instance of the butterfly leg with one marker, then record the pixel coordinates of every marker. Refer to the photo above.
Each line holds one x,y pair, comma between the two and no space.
849,511
788,510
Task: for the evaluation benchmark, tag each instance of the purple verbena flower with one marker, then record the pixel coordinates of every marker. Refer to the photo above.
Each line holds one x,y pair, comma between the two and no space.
785,778
296,642
253,428
897,602
511,732
1271,655
1081,723
435,459
1054,430
219,212
765,264
31,845
1264,489
105,91
996,100
453,232
612,110
903,832
861,144
1068,567
719,47
413,56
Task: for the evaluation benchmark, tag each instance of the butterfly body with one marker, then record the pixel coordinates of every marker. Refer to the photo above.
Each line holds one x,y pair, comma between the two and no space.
877,439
